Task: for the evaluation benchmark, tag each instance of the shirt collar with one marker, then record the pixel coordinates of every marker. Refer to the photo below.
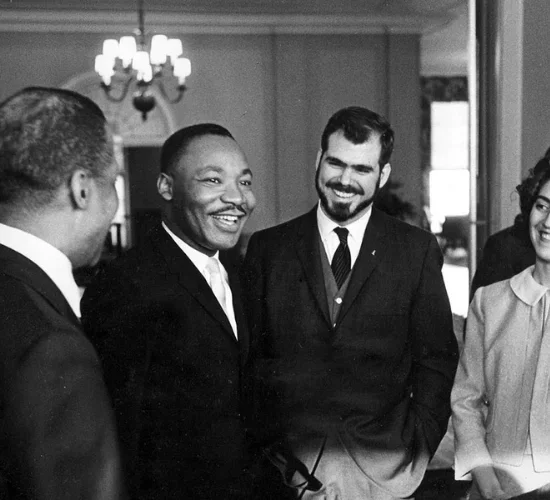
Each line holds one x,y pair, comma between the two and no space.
526,287
50,259
199,259
356,229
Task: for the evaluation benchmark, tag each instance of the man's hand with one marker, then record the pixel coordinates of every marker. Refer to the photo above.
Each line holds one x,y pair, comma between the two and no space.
542,493
487,482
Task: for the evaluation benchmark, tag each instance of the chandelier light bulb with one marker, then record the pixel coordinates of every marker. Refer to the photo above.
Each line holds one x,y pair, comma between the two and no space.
127,49
145,74
159,47
182,69
104,68
104,65
99,64
110,48
140,60
175,49
106,79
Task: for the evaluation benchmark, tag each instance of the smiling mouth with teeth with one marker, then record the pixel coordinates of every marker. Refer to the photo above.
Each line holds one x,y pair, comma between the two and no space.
343,194
227,219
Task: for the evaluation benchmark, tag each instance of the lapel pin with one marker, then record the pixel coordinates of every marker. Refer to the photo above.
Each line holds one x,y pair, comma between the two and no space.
373,252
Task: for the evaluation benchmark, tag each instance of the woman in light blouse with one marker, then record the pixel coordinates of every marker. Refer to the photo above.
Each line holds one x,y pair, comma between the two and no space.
501,394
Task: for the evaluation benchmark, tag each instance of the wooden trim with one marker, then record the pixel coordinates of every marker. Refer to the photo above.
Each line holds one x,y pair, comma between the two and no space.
13,20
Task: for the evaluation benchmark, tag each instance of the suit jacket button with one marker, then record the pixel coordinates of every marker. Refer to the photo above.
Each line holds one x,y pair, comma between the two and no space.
338,300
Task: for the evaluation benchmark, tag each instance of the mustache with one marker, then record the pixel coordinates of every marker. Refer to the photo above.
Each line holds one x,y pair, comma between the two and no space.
229,209
345,189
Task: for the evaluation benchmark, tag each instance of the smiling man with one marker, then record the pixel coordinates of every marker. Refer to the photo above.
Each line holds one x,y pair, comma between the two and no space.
168,324
354,352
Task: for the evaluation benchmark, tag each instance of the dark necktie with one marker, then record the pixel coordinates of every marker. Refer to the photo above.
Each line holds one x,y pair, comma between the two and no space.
341,262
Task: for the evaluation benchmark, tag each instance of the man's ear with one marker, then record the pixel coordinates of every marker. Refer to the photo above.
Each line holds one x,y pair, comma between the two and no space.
165,186
80,188
318,159
385,174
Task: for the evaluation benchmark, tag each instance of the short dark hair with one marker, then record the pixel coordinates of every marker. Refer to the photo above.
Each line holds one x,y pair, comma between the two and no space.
357,124
176,145
45,135
530,187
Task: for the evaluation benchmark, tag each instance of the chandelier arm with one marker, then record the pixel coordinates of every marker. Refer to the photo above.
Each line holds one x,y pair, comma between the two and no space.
181,90
108,89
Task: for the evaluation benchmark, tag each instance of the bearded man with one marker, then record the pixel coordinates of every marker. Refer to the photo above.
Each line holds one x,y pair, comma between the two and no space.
353,351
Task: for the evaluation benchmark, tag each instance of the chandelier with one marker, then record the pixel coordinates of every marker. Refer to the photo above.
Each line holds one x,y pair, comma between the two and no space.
130,60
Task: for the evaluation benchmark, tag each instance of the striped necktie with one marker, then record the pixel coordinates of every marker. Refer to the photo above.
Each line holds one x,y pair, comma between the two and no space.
341,262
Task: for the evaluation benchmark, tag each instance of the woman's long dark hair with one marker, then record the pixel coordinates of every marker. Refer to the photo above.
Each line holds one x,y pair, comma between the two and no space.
529,190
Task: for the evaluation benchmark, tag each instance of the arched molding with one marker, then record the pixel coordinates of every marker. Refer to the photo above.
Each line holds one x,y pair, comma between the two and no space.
124,119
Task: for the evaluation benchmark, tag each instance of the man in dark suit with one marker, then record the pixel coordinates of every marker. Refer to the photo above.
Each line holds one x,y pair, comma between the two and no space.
57,200
167,321
352,344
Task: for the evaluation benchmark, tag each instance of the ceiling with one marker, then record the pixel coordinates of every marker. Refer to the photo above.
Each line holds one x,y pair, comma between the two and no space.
253,7
442,23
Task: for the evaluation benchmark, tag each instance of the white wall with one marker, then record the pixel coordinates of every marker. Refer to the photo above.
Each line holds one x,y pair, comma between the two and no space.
535,132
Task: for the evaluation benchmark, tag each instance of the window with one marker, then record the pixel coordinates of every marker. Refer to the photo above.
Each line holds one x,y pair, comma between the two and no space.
445,161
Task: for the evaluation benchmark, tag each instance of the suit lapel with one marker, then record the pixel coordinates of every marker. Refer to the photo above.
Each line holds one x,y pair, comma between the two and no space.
189,277
308,250
240,318
372,249
18,266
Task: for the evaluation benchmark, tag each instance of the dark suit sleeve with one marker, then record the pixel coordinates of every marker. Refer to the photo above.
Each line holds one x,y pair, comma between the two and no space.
253,283
262,425
118,322
60,422
434,349
505,254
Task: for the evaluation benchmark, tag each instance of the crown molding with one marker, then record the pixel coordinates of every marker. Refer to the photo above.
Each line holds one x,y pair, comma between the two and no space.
450,65
85,21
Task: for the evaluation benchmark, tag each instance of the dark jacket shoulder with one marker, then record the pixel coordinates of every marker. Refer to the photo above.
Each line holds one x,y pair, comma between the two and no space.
287,231
505,254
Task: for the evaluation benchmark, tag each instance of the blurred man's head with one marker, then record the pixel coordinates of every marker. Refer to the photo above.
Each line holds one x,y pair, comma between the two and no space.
352,163
206,184
57,170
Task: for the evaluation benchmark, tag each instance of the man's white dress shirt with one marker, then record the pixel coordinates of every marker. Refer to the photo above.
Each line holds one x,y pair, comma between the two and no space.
330,238
200,261
51,260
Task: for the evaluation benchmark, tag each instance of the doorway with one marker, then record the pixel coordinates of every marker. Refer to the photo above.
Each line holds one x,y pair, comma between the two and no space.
142,166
